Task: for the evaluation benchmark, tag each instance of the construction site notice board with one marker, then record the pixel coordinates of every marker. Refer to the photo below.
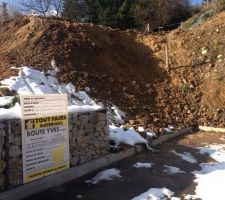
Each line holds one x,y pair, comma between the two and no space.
45,135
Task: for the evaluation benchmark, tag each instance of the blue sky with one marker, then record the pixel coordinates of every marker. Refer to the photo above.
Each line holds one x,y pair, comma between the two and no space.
196,1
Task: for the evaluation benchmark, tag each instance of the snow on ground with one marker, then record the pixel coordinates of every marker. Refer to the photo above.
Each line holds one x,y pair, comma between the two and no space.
211,178
117,116
211,181
106,175
141,129
190,197
216,152
84,108
5,101
185,156
120,135
142,165
31,81
12,113
172,170
156,194
168,130
151,134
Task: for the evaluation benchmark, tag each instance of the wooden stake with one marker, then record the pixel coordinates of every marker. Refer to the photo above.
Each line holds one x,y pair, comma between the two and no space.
167,57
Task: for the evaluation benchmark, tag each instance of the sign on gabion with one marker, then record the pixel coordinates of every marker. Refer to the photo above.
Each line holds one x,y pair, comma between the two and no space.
45,137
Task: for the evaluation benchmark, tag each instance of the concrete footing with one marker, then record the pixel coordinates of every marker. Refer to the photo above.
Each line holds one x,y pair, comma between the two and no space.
212,129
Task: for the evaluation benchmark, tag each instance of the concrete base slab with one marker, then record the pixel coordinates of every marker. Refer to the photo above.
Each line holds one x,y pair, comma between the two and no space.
212,129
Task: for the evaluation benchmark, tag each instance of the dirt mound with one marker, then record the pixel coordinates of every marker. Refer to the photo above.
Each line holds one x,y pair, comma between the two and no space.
116,67
197,75
128,68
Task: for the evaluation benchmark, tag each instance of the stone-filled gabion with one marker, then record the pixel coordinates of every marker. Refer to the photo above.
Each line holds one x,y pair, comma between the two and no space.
2,154
88,140
15,163
88,136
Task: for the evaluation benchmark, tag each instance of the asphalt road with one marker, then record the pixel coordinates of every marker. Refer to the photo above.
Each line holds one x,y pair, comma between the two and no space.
137,181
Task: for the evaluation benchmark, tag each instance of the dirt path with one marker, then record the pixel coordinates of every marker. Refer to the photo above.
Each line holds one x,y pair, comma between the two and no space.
137,181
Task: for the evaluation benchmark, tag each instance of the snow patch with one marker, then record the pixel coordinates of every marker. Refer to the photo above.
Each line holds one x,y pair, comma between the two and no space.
11,113
186,156
120,135
141,129
155,194
116,115
190,197
32,81
151,134
84,108
106,175
172,170
142,165
4,101
216,152
211,173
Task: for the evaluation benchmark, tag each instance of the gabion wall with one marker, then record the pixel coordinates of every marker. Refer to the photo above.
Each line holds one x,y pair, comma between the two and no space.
2,155
88,134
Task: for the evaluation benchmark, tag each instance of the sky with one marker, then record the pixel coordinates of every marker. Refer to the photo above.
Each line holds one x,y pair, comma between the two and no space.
13,1
196,1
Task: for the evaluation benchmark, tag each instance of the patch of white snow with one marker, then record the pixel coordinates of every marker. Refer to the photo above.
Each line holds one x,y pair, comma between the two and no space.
142,165
106,175
172,170
155,194
211,178
141,129
6,100
216,152
186,156
11,113
130,136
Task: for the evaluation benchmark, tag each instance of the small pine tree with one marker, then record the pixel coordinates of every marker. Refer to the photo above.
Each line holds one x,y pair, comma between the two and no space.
125,16
71,9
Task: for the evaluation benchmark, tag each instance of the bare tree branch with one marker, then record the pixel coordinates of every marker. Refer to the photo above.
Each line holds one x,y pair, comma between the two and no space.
43,7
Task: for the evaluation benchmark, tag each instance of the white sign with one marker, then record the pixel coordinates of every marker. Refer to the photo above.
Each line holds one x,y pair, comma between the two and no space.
45,135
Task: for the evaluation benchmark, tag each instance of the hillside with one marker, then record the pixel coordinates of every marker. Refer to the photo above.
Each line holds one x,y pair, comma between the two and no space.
128,68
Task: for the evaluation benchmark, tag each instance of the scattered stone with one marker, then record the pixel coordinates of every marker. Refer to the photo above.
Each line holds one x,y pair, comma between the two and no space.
204,52
219,56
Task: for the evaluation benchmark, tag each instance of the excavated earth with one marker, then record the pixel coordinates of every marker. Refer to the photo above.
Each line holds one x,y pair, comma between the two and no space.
128,68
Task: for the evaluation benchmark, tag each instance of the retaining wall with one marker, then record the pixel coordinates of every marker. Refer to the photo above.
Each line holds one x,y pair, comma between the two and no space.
2,155
88,140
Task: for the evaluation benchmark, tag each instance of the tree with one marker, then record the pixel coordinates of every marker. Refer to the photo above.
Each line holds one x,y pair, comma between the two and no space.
182,10
113,13
43,7
125,15
159,13
10,11
57,6
152,12
74,9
